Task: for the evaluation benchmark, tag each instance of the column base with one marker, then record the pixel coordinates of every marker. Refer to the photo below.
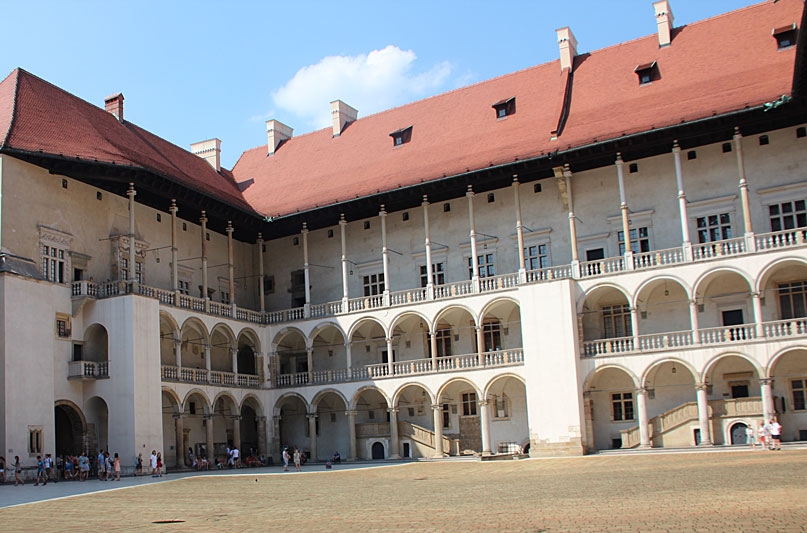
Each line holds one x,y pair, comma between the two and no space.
704,444
394,456
572,447
645,446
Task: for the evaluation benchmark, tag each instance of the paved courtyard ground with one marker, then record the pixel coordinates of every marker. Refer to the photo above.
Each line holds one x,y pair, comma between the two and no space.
730,491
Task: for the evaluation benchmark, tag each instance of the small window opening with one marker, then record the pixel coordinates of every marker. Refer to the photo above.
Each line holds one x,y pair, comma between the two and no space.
726,148
207,236
505,108
330,234
366,224
801,132
295,241
98,195
184,226
536,188
64,184
159,217
263,248
785,36
446,207
764,140
647,73
692,154
491,198
633,168
401,136
405,216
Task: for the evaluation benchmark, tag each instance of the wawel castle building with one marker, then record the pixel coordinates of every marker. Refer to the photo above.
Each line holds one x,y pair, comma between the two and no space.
603,251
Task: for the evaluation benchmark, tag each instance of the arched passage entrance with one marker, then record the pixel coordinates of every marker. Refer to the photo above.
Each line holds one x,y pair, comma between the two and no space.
70,428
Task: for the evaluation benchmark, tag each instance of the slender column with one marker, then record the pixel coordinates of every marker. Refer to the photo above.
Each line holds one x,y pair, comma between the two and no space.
132,265
345,296
641,407
180,443
203,222
351,420
261,435
237,433
174,266
395,446
623,207
186,439
429,267
230,265
261,295
484,422
756,299
384,253
276,454
480,345
433,344
588,410
738,149
474,257
634,326
389,356
767,398
234,356
565,174
306,271
703,415
178,351
682,201
349,358
207,359
694,321
312,431
309,351
211,454
437,410
522,266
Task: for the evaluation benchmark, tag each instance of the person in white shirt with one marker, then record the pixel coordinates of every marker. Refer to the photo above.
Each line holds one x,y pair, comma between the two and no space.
776,432
749,436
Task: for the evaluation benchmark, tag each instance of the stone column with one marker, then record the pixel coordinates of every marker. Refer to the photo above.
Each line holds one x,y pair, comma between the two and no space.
644,429
480,345
765,385
433,344
178,352
695,322
208,362
437,410
623,207
484,422
211,452
230,265
390,357
345,295
351,420
130,192
429,267
738,148
634,326
756,299
262,435
384,254
312,431
588,411
203,222
276,444
186,439
349,359
474,256
174,266
563,176
682,201
237,433
180,443
306,272
234,356
703,415
309,351
522,266
261,295
395,446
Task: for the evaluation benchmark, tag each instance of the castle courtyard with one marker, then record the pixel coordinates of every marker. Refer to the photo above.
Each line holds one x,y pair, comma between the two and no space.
729,490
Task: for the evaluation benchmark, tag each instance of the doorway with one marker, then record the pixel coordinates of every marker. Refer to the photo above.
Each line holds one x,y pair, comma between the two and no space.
378,451
734,317
738,435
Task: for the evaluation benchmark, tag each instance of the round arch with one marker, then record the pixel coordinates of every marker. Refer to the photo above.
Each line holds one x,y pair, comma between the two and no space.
594,291
709,366
324,392
368,388
613,366
771,268
396,396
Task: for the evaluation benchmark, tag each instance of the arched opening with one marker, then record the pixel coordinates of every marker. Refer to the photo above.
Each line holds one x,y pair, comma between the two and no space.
293,424
333,433
415,420
222,343
789,393
671,395
249,431
459,401
734,395
372,420
611,410
69,428
607,322
96,344
173,443
737,433
290,365
97,414
329,355
378,451
507,408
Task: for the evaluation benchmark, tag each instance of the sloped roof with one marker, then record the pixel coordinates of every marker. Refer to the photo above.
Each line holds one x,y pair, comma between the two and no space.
726,63
38,117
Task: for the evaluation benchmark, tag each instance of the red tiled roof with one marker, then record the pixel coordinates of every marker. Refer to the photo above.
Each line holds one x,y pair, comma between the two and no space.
716,66
45,118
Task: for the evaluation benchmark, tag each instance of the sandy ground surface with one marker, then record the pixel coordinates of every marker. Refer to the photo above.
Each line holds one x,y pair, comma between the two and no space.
737,491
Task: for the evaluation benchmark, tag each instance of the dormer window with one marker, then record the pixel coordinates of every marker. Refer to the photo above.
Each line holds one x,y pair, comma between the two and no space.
402,136
785,36
505,108
647,73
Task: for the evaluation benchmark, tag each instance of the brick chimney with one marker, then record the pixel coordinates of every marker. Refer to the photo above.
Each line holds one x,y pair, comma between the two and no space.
568,47
277,132
664,19
114,104
342,115
210,151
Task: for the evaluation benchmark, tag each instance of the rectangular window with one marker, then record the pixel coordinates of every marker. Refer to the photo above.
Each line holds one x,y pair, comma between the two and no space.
616,321
469,404
799,388
53,263
792,300
788,215
622,406
184,287
714,228
485,265
124,270
443,339
438,274
492,331
63,326
501,406
639,241
373,284
35,439
536,256
446,416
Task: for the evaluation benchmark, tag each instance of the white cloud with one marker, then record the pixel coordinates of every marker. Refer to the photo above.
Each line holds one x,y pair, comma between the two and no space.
369,82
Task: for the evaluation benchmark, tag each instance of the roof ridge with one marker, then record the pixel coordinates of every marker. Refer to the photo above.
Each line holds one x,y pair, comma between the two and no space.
13,105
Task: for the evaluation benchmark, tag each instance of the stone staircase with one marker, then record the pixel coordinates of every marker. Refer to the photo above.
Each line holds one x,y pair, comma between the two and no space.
425,437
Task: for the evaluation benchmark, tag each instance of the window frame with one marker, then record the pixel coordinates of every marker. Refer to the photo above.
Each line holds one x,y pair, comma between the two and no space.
470,404
623,403
799,392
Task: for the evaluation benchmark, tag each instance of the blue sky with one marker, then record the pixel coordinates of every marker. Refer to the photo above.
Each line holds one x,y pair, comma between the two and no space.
191,71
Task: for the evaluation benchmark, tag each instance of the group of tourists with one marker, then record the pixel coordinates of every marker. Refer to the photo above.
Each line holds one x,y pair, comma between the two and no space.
299,459
768,436
68,467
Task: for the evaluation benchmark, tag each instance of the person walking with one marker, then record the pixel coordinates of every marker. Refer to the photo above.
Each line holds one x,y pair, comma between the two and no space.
749,436
776,433
138,465
762,435
116,466
297,460
285,459
40,472
18,471
160,464
153,463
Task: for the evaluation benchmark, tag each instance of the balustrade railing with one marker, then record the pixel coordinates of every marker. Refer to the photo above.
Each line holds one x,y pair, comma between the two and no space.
495,283
608,265
326,309
671,256
727,334
409,296
607,346
716,249
88,369
451,290
550,273
785,328
414,366
780,239
337,375
291,380
665,341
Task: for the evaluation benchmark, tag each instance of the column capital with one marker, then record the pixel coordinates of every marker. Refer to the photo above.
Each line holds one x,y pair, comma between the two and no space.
702,386
641,390
178,416
619,161
229,227
393,410
765,381
425,201
260,237
203,217
351,412
737,135
516,183
235,418
436,406
305,228
382,212
260,419
173,209
131,190
311,416
676,148
207,416
470,192
484,403
342,221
